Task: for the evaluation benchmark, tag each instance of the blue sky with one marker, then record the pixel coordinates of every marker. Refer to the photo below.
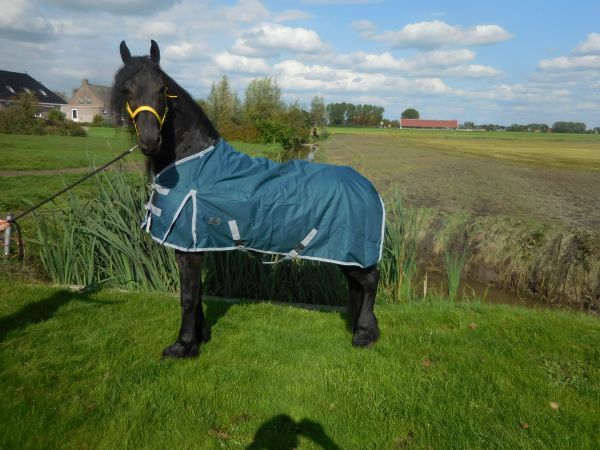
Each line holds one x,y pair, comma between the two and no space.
488,62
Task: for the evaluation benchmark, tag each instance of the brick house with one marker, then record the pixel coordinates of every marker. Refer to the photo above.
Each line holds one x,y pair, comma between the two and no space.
88,100
14,83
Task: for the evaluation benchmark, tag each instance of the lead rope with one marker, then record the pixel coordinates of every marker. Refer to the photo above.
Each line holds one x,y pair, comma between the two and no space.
13,220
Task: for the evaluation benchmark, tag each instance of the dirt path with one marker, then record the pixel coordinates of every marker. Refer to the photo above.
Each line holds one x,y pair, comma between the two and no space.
65,171
458,182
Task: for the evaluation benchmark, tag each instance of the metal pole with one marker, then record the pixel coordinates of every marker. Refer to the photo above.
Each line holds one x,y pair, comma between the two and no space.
7,236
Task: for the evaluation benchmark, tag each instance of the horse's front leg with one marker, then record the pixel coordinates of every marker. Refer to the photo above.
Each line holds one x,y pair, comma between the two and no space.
194,328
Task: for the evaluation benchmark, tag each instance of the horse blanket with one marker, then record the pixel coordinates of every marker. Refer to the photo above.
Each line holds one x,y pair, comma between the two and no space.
221,199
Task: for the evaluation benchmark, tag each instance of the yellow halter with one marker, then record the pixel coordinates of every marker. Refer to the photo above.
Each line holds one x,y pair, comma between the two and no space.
161,120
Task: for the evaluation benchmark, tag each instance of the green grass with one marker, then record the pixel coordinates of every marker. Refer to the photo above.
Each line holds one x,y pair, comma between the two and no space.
558,150
84,371
52,153
19,152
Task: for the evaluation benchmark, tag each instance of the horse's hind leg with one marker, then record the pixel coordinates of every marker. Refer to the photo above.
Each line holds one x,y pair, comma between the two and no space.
193,322
361,300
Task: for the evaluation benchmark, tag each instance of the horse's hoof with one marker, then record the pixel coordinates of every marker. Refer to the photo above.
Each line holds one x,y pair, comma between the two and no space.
178,350
365,338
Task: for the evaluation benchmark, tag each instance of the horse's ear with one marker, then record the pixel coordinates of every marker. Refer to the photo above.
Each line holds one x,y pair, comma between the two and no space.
154,52
125,53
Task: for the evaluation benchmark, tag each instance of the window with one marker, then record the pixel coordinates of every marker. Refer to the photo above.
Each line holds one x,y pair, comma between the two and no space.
27,90
12,91
74,114
43,92
89,100
81,100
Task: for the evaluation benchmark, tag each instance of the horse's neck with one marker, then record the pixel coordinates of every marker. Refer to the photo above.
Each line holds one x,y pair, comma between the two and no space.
186,131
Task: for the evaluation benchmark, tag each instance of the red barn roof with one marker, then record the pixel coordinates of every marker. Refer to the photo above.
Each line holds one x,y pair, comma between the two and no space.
419,123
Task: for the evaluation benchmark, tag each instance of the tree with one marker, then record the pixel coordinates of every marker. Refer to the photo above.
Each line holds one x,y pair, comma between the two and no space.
568,127
410,113
222,105
263,100
317,112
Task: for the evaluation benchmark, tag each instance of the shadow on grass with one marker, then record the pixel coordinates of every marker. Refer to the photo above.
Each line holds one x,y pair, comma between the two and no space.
283,432
45,309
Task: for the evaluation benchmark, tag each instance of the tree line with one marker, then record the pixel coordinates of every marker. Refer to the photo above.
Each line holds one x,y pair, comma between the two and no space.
261,117
264,117
557,127
349,114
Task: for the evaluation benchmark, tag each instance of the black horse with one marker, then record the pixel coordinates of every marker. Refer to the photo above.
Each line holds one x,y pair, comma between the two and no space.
171,126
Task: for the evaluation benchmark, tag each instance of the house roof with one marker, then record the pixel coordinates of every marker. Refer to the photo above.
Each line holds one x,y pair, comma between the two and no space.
13,83
104,92
421,123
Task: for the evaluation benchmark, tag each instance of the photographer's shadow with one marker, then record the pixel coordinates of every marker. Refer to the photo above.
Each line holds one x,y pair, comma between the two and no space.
282,432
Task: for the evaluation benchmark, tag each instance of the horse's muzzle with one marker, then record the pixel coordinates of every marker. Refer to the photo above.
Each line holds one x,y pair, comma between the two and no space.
150,146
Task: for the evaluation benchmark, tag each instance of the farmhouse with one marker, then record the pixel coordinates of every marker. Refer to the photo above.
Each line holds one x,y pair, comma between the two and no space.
430,124
14,83
88,101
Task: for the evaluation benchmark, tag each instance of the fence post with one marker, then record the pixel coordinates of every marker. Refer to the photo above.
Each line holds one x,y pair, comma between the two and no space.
7,236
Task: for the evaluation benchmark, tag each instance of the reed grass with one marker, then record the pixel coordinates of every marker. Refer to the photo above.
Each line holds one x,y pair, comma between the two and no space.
398,266
95,237
455,255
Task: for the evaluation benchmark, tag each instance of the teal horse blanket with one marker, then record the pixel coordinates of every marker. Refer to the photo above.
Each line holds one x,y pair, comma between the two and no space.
221,199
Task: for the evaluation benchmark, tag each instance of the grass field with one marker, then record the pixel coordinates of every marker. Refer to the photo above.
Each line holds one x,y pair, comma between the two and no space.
84,371
33,167
540,176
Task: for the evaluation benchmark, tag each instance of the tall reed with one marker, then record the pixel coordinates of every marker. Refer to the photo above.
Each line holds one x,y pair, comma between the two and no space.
455,255
94,236
398,266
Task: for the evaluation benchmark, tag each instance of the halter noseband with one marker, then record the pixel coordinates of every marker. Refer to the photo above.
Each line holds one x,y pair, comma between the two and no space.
161,120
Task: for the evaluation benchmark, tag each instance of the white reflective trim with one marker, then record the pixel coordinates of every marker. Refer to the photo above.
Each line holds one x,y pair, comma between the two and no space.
235,232
148,222
160,189
176,216
194,210
187,158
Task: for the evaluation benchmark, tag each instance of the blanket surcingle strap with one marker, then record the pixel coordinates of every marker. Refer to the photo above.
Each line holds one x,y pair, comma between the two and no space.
221,199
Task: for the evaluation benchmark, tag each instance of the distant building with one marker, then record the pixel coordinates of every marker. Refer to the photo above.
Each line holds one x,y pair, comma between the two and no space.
88,100
432,124
14,83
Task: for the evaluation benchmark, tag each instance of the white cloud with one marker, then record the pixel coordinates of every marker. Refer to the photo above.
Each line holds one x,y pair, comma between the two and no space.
23,20
246,11
133,7
591,46
296,76
290,15
567,63
241,64
437,63
185,51
436,34
271,39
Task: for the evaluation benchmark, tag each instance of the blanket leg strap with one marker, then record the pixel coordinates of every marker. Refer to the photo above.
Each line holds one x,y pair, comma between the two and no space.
296,251
235,233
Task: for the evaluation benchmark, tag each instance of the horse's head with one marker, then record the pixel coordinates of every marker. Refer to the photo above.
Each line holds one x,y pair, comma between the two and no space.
141,92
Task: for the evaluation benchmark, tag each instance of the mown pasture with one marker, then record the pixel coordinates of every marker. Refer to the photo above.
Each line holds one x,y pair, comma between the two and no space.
529,202
84,371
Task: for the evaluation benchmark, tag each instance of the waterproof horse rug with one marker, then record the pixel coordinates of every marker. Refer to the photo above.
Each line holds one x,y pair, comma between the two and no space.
220,199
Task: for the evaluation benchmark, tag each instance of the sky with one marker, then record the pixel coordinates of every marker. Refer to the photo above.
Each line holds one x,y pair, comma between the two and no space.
481,61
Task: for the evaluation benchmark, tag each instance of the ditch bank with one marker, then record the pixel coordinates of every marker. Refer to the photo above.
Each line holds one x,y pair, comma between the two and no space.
552,263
